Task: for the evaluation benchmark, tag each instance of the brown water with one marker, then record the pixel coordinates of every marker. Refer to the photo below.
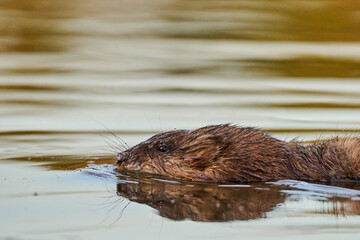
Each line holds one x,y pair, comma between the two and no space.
71,70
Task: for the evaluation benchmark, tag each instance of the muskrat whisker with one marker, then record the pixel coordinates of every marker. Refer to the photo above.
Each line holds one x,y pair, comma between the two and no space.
122,142
107,200
121,213
111,146
115,148
112,150
115,204
120,139
121,146
108,151
112,204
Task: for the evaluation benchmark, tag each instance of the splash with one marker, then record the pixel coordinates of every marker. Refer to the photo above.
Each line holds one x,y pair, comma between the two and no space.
329,191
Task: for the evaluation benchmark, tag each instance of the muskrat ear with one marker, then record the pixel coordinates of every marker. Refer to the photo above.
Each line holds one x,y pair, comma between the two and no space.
204,152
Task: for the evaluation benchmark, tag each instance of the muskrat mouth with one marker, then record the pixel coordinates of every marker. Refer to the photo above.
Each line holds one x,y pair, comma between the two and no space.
119,160
131,167
123,163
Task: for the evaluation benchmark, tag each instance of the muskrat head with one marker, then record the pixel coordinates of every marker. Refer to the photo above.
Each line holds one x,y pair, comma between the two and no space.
153,155
212,153
181,154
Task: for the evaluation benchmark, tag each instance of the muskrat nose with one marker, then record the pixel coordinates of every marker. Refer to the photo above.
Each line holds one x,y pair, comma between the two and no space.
121,157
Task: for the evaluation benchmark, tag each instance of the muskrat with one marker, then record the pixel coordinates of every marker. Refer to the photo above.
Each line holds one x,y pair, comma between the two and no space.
228,153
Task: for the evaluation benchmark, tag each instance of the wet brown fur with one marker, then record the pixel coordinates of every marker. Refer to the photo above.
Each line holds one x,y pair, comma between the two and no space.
227,153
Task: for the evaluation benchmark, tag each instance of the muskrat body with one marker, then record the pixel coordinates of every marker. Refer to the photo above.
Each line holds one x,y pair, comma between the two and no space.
227,153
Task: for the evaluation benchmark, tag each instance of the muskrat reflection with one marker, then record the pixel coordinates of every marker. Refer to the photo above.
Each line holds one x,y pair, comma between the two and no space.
202,202
216,203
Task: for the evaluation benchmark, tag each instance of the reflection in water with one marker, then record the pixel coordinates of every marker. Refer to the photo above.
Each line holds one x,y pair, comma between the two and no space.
26,88
315,20
31,26
205,203
120,38
32,71
36,26
306,67
221,203
66,162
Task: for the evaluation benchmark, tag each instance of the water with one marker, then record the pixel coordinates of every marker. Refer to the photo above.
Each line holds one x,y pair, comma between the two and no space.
71,70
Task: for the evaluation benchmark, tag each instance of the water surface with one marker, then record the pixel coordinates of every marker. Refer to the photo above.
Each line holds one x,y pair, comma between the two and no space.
72,71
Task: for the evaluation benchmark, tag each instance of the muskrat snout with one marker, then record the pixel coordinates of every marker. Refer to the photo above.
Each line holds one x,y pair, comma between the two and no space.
120,157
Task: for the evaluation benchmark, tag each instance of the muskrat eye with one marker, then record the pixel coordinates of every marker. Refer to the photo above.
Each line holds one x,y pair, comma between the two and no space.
163,148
